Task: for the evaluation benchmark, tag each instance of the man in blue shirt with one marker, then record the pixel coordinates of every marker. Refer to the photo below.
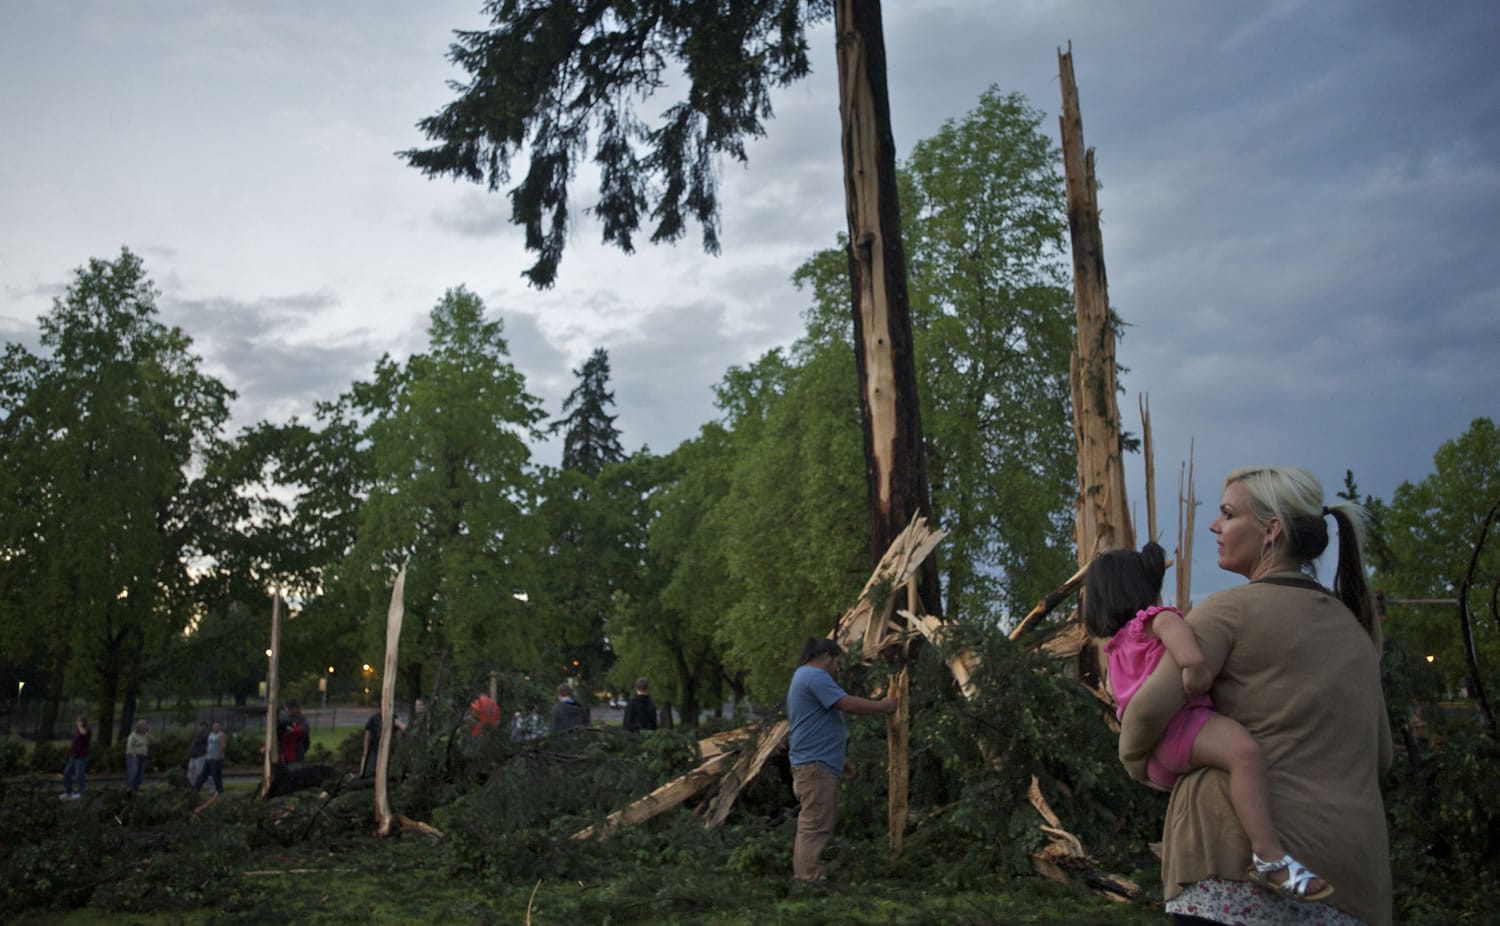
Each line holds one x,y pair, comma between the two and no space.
815,708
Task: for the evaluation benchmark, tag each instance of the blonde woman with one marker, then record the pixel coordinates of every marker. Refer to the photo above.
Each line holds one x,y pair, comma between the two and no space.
1297,665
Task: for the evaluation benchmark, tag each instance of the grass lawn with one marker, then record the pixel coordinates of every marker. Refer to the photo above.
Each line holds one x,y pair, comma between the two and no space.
401,882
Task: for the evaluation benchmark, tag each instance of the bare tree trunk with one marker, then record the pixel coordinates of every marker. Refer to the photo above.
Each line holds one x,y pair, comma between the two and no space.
1103,515
386,822
895,461
1102,521
268,759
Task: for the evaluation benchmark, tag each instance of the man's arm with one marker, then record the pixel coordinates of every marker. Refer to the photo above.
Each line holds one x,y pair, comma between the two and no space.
853,704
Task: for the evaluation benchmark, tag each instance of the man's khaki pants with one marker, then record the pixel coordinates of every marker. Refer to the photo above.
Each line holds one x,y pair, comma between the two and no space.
817,788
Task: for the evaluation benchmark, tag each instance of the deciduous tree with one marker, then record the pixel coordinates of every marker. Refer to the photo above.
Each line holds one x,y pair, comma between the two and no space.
450,496
102,434
1431,528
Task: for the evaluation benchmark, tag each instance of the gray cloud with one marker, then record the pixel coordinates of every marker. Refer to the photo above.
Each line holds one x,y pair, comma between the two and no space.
261,349
1300,204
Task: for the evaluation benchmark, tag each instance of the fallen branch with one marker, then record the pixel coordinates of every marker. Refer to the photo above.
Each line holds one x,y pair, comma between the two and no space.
744,771
408,825
1064,853
669,795
1054,598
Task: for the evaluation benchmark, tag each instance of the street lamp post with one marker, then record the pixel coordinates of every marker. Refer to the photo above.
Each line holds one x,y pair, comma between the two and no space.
20,687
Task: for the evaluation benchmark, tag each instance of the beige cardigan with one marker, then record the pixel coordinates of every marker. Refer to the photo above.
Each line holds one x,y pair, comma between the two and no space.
1296,669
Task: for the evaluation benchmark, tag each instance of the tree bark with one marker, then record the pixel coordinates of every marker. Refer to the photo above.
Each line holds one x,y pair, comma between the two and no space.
386,822
1103,514
273,672
895,461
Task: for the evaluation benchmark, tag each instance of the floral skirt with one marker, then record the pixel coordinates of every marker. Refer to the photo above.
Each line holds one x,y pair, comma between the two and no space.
1242,903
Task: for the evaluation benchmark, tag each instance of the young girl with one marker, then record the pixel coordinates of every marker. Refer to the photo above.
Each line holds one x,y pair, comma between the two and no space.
1122,601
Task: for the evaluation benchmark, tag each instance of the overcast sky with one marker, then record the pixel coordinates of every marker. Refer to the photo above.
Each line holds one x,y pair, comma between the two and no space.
1301,205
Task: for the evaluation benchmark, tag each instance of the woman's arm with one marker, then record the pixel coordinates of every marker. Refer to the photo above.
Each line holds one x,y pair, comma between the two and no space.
1180,642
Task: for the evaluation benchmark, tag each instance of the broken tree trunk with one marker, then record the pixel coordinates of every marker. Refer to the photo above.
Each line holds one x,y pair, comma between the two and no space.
1187,509
1152,534
1103,521
386,822
272,747
895,462
898,750
867,626
1103,515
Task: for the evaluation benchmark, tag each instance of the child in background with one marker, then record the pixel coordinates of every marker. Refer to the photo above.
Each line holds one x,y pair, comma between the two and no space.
1122,601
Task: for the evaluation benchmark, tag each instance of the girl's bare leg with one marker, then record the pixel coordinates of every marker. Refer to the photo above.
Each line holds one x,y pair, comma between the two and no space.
1224,744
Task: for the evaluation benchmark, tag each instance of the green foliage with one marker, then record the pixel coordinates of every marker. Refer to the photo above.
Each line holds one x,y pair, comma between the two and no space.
1430,529
984,222
1445,827
590,439
449,497
100,512
12,756
550,79
791,526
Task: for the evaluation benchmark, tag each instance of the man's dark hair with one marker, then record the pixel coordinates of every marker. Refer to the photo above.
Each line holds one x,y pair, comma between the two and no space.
814,647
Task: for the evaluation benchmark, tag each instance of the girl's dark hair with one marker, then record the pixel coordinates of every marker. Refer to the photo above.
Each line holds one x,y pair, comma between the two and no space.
1118,584
813,647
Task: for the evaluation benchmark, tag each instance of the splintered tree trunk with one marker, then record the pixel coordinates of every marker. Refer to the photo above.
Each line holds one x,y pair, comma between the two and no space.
386,821
268,760
895,465
1103,516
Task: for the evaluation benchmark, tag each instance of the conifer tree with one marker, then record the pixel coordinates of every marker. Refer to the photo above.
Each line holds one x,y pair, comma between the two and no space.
590,439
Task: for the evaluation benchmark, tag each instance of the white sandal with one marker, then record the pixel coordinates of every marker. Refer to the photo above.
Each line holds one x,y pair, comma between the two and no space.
1298,877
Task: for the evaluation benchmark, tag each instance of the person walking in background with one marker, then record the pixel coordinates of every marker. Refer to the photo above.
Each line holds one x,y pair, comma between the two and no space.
78,759
485,711
136,748
528,726
373,727
815,708
567,713
297,723
196,751
640,711
291,734
213,760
